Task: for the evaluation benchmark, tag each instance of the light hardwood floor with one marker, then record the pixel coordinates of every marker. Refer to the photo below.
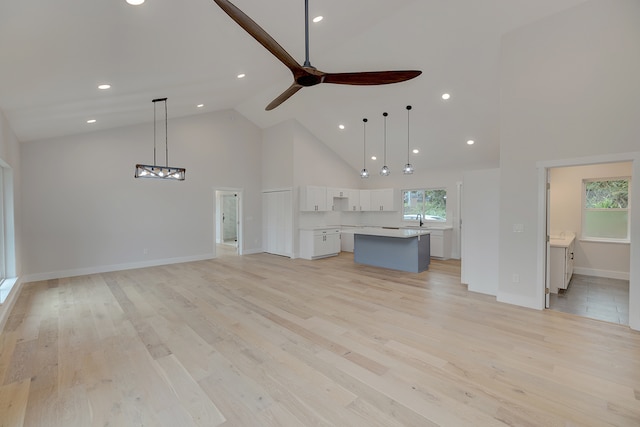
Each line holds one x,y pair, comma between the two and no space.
262,340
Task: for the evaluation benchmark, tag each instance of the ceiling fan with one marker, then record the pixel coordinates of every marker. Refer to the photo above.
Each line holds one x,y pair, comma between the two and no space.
306,75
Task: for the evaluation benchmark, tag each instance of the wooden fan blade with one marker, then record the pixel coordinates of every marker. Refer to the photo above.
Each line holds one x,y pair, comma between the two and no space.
284,96
250,26
370,77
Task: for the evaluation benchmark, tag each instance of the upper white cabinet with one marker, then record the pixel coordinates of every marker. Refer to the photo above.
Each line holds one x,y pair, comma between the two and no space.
353,199
313,199
381,199
365,200
320,199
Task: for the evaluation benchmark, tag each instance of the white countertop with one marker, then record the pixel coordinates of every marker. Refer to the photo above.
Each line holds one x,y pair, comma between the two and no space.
562,241
428,227
387,232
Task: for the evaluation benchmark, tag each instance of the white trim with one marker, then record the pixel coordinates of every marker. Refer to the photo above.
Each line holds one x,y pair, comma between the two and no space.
634,231
253,251
116,267
15,286
610,274
521,300
240,203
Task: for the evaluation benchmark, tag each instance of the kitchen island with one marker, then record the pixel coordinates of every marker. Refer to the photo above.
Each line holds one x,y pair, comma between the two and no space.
397,249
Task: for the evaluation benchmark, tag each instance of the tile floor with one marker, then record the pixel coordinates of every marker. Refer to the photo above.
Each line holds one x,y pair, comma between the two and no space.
594,297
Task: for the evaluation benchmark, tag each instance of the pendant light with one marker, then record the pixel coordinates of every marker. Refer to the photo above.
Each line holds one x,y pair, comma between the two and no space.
385,170
155,171
408,168
364,173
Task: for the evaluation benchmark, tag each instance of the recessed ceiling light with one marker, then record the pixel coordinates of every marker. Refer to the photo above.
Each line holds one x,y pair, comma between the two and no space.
241,75
416,151
446,96
341,127
374,158
200,105
470,142
91,121
318,19
104,86
135,2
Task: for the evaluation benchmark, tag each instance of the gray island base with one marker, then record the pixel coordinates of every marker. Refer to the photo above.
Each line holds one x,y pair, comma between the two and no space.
405,250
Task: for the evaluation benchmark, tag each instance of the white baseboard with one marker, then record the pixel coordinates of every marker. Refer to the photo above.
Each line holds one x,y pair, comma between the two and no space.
252,251
622,275
116,267
519,300
9,300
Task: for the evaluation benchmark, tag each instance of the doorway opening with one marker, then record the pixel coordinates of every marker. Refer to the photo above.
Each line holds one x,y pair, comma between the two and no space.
228,229
587,264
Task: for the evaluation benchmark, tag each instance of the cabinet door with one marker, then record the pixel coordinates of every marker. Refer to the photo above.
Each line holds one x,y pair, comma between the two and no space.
383,199
278,222
365,200
437,244
569,264
353,197
313,199
333,240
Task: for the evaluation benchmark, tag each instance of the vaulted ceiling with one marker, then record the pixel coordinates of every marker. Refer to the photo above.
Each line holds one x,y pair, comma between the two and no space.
54,54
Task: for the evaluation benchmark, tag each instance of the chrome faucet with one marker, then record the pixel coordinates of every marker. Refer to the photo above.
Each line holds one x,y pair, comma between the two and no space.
419,217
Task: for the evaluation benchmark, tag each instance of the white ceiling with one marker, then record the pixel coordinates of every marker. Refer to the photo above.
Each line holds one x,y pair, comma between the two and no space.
53,54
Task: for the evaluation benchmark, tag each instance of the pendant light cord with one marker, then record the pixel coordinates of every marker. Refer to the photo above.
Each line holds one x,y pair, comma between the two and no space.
408,109
166,135
154,132
364,145
166,131
385,138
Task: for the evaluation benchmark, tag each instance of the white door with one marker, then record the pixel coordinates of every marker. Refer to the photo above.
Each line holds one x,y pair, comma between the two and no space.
278,222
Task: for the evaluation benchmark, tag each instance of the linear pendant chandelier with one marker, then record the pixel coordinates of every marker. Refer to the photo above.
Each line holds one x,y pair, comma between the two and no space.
156,171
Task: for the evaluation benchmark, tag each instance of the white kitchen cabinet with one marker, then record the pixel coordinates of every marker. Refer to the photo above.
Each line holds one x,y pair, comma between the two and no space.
343,199
346,240
365,200
313,199
561,262
441,242
319,243
383,199
353,200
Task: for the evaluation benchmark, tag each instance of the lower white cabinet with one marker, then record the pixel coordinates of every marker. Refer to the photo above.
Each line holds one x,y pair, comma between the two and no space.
319,243
561,263
441,243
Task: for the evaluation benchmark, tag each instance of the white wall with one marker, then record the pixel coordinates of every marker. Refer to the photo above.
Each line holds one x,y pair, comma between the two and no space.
84,211
592,258
569,89
10,156
277,156
480,256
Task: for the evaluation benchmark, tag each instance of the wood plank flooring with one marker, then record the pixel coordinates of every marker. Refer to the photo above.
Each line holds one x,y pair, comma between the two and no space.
262,340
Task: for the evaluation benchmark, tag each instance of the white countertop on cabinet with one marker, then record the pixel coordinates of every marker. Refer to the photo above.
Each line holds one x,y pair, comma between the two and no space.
561,241
388,232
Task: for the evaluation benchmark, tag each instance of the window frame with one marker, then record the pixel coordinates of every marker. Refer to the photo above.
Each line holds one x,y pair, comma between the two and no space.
423,189
584,210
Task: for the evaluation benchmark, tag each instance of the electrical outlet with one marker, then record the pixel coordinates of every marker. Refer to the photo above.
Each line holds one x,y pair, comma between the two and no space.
145,251
516,278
